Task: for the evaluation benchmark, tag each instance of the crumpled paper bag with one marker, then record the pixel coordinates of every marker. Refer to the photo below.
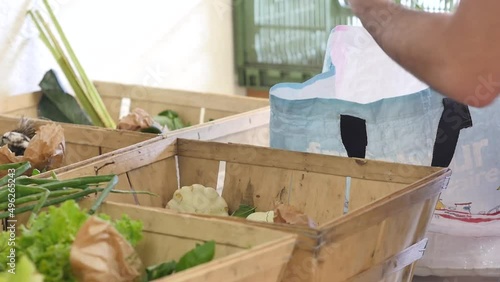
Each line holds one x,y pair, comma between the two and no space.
45,151
291,215
136,120
99,253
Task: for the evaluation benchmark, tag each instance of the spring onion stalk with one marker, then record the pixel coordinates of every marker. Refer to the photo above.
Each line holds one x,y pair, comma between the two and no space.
43,199
28,180
103,195
11,165
19,171
84,89
51,202
90,87
36,197
38,193
78,181
56,50
32,197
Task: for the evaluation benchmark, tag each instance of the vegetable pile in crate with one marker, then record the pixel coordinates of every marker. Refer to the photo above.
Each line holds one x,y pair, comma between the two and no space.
356,219
88,106
112,105
121,115
85,141
129,243
62,144
182,108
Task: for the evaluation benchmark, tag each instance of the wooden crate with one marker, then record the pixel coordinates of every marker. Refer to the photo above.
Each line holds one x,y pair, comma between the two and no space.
192,107
372,215
243,253
84,142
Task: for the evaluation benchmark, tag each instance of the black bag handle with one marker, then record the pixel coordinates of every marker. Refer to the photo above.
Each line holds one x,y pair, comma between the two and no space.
455,117
354,137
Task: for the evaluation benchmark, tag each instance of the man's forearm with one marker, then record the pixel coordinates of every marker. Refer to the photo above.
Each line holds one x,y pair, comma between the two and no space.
453,53
415,40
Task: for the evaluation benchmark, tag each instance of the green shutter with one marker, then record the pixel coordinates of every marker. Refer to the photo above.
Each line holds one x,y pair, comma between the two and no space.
285,40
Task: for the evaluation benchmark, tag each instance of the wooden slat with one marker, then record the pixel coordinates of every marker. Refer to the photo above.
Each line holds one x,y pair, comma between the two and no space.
24,112
14,104
258,136
255,186
428,188
108,138
86,135
268,157
356,249
225,129
259,265
398,232
195,171
392,265
113,106
162,222
364,192
76,152
178,97
217,114
152,254
159,178
320,196
214,130
120,161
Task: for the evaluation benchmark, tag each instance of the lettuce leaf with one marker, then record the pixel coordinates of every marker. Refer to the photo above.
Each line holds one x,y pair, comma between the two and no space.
25,271
47,243
4,250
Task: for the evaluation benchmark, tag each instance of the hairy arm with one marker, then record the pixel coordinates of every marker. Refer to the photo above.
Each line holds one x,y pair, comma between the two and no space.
456,54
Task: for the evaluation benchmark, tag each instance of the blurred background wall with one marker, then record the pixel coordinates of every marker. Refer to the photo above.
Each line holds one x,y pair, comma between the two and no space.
164,43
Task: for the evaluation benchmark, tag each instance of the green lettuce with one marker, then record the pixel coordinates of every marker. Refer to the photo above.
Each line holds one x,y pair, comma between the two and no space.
47,243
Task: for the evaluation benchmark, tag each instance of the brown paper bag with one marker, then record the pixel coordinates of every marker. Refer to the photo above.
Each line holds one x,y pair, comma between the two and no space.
101,254
291,215
136,120
45,151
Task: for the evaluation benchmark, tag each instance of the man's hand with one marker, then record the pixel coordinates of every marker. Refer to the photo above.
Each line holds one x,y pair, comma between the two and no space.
361,7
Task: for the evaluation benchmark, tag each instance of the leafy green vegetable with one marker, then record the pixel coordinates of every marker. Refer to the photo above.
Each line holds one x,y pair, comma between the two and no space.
243,211
152,129
48,241
168,113
199,255
128,228
160,270
57,105
25,272
4,250
170,119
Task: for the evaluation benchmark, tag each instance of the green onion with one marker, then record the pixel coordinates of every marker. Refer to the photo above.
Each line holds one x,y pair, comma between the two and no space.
85,91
